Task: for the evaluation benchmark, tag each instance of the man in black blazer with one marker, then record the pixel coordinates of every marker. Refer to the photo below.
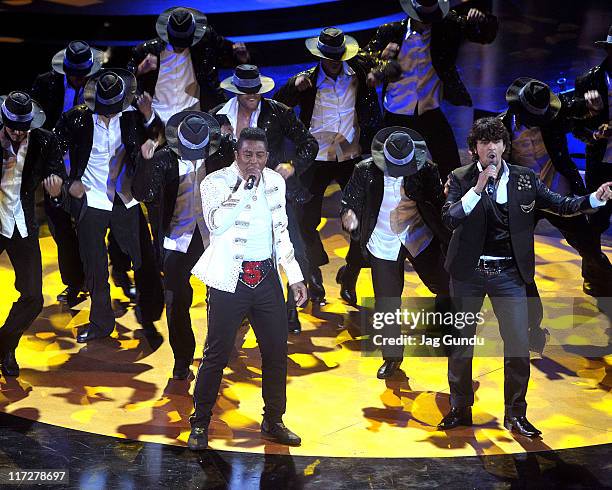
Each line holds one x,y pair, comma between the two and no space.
30,155
103,137
491,208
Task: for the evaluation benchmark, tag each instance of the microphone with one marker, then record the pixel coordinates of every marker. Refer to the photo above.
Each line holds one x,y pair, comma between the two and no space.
490,187
250,182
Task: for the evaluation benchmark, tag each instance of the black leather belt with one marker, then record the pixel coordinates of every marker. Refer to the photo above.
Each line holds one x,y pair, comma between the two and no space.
487,264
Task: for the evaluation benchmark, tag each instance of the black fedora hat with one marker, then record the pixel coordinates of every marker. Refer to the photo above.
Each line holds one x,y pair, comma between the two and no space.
20,112
333,44
181,27
401,151
608,42
110,91
533,101
78,59
193,135
247,80
426,11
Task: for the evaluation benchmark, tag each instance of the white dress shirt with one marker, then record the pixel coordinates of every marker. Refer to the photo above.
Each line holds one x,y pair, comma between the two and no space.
105,173
176,89
399,223
419,88
187,208
470,199
11,211
259,245
230,110
334,121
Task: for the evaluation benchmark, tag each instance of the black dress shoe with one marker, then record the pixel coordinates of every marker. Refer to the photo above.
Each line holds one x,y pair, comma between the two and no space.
88,333
537,339
520,425
198,439
293,321
277,432
123,281
347,278
388,368
456,417
181,369
316,290
8,365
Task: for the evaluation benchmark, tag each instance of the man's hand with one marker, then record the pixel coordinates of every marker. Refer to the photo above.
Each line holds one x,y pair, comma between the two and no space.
147,65
77,189
390,51
53,185
447,185
371,80
303,83
300,293
241,53
474,16
604,193
144,103
490,171
603,132
227,129
594,101
147,150
285,169
350,221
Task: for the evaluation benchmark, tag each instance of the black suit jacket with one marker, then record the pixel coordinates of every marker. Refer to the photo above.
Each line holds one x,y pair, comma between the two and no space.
48,90
280,122
365,191
43,158
207,55
468,238
366,99
446,38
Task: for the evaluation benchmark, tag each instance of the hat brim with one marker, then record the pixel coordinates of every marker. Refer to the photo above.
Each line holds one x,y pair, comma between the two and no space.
267,84
351,44
57,63
603,44
214,131
37,121
378,155
439,14
89,92
161,26
516,107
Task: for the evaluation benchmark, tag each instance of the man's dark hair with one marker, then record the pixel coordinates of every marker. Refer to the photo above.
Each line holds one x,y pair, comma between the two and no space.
252,134
487,129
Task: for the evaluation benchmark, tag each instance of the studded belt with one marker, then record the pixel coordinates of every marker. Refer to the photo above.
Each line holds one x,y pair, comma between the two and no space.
254,272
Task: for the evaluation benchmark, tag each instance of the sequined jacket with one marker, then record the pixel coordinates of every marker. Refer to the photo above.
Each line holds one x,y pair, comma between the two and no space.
157,180
367,107
207,56
75,132
364,194
446,37
43,158
555,142
526,194
48,90
226,207
280,122
594,79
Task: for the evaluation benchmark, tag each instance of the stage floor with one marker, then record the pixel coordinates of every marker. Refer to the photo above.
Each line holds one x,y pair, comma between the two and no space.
120,386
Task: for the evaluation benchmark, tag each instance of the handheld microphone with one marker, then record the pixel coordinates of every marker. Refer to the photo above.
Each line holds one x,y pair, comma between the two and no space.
250,182
490,187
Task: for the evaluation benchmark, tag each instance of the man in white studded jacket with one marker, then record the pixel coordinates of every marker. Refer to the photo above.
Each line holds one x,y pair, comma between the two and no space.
244,209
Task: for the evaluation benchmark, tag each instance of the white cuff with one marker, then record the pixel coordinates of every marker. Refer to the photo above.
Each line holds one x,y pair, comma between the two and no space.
469,201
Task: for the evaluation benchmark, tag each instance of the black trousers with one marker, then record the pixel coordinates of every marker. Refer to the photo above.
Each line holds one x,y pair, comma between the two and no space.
24,254
133,237
265,306
178,295
388,282
438,135
506,290
316,178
